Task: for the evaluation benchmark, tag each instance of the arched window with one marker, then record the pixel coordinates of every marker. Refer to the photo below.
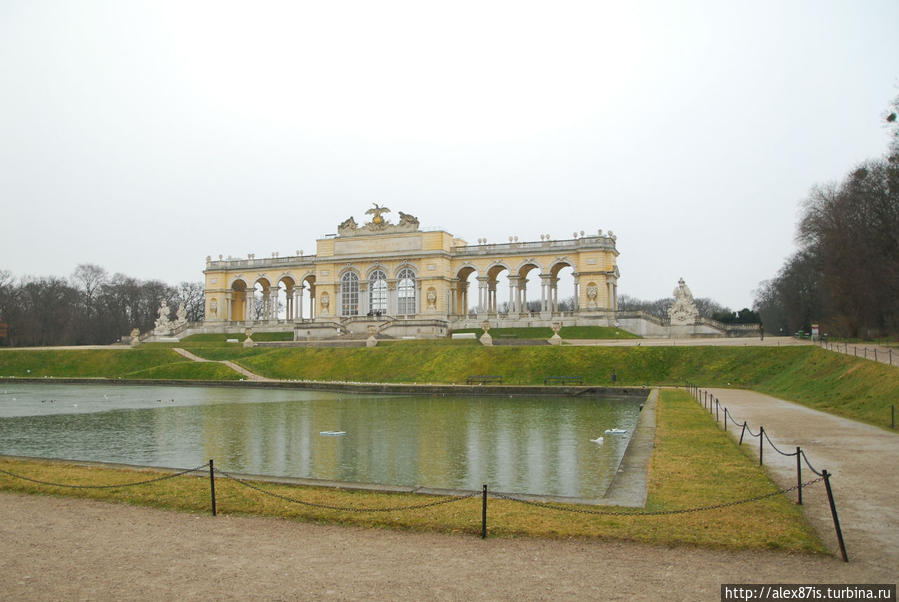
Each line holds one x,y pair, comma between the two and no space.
405,292
377,292
349,294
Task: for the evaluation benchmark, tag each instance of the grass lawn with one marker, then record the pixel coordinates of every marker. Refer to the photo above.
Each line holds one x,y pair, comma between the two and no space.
694,464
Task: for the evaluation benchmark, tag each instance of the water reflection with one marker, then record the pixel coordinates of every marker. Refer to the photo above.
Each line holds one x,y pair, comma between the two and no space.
522,445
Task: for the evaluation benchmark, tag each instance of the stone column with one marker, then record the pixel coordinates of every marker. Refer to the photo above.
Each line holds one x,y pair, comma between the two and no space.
482,294
312,299
513,294
273,304
544,292
465,298
577,293
392,303
611,293
248,304
227,308
298,295
523,295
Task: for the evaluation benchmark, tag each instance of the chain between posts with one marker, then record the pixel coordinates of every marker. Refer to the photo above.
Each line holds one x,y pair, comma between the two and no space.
658,512
154,480
344,508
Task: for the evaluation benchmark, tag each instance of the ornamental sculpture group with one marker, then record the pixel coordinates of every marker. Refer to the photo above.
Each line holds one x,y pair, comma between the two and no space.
684,311
165,326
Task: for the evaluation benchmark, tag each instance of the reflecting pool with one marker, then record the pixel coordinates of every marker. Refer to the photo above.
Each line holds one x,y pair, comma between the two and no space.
514,444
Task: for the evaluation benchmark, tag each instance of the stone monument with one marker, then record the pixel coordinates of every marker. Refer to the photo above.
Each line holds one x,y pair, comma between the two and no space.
486,339
371,341
249,342
180,317
163,325
556,339
683,312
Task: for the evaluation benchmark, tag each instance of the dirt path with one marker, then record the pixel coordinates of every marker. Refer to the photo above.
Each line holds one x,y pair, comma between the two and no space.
862,459
70,549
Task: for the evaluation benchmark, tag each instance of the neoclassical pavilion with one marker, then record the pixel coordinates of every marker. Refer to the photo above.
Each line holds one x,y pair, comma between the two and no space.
409,282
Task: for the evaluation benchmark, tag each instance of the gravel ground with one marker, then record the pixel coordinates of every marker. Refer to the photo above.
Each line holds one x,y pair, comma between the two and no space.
71,549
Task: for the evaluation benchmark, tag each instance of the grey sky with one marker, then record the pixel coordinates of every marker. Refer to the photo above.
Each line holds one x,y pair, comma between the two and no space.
144,136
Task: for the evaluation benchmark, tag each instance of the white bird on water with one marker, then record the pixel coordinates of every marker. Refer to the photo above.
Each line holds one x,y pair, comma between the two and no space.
597,440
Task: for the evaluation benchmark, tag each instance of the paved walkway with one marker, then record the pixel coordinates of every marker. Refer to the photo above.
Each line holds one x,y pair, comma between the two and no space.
863,460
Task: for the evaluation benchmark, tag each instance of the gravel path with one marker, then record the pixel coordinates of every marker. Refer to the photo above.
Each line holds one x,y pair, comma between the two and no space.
70,549
862,459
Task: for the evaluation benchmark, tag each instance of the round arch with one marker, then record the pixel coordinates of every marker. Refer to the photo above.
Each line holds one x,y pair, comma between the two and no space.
285,301
236,300
465,281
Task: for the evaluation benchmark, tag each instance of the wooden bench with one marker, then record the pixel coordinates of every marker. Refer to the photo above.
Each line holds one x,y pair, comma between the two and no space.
484,379
563,380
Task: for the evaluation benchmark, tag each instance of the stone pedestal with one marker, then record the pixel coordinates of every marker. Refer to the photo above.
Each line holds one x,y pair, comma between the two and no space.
555,339
249,342
371,341
486,339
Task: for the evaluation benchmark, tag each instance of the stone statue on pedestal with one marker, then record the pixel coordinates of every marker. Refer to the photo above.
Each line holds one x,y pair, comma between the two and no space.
684,311
163,324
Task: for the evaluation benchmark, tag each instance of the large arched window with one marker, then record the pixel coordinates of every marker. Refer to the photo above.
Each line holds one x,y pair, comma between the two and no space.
377,292
405,292
349,294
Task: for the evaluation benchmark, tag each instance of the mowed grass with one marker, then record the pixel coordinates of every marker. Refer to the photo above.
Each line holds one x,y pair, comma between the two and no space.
140,363
694,464
97,363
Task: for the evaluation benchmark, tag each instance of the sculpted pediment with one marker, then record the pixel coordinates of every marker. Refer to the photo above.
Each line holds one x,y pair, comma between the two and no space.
378,224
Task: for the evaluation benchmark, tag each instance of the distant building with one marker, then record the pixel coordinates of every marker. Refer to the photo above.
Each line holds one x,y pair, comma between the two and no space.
409,282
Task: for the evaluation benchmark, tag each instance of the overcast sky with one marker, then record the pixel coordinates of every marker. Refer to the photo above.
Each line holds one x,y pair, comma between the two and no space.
144,136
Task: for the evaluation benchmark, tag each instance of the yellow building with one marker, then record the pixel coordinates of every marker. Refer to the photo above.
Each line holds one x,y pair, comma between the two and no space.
409,282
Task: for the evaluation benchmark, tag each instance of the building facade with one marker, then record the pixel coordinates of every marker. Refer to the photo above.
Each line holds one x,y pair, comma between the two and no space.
409,282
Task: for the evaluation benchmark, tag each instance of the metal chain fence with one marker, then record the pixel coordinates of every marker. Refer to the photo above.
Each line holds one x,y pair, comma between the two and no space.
344,508
657,512
133,484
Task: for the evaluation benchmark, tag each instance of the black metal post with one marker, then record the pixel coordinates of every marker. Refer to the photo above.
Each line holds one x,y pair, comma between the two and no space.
212,484
725,420
743,432
484,514
833,511
799,473
875,354
716,410
761,443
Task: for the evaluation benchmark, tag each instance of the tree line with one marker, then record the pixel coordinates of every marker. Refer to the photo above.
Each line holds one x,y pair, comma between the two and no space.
845,275
91,307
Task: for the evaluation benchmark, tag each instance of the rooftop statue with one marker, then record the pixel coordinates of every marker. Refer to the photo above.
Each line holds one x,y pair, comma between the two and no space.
378,224
377,210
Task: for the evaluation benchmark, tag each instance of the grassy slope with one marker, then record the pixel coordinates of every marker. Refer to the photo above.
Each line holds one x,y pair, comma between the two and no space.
155,363
694,465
